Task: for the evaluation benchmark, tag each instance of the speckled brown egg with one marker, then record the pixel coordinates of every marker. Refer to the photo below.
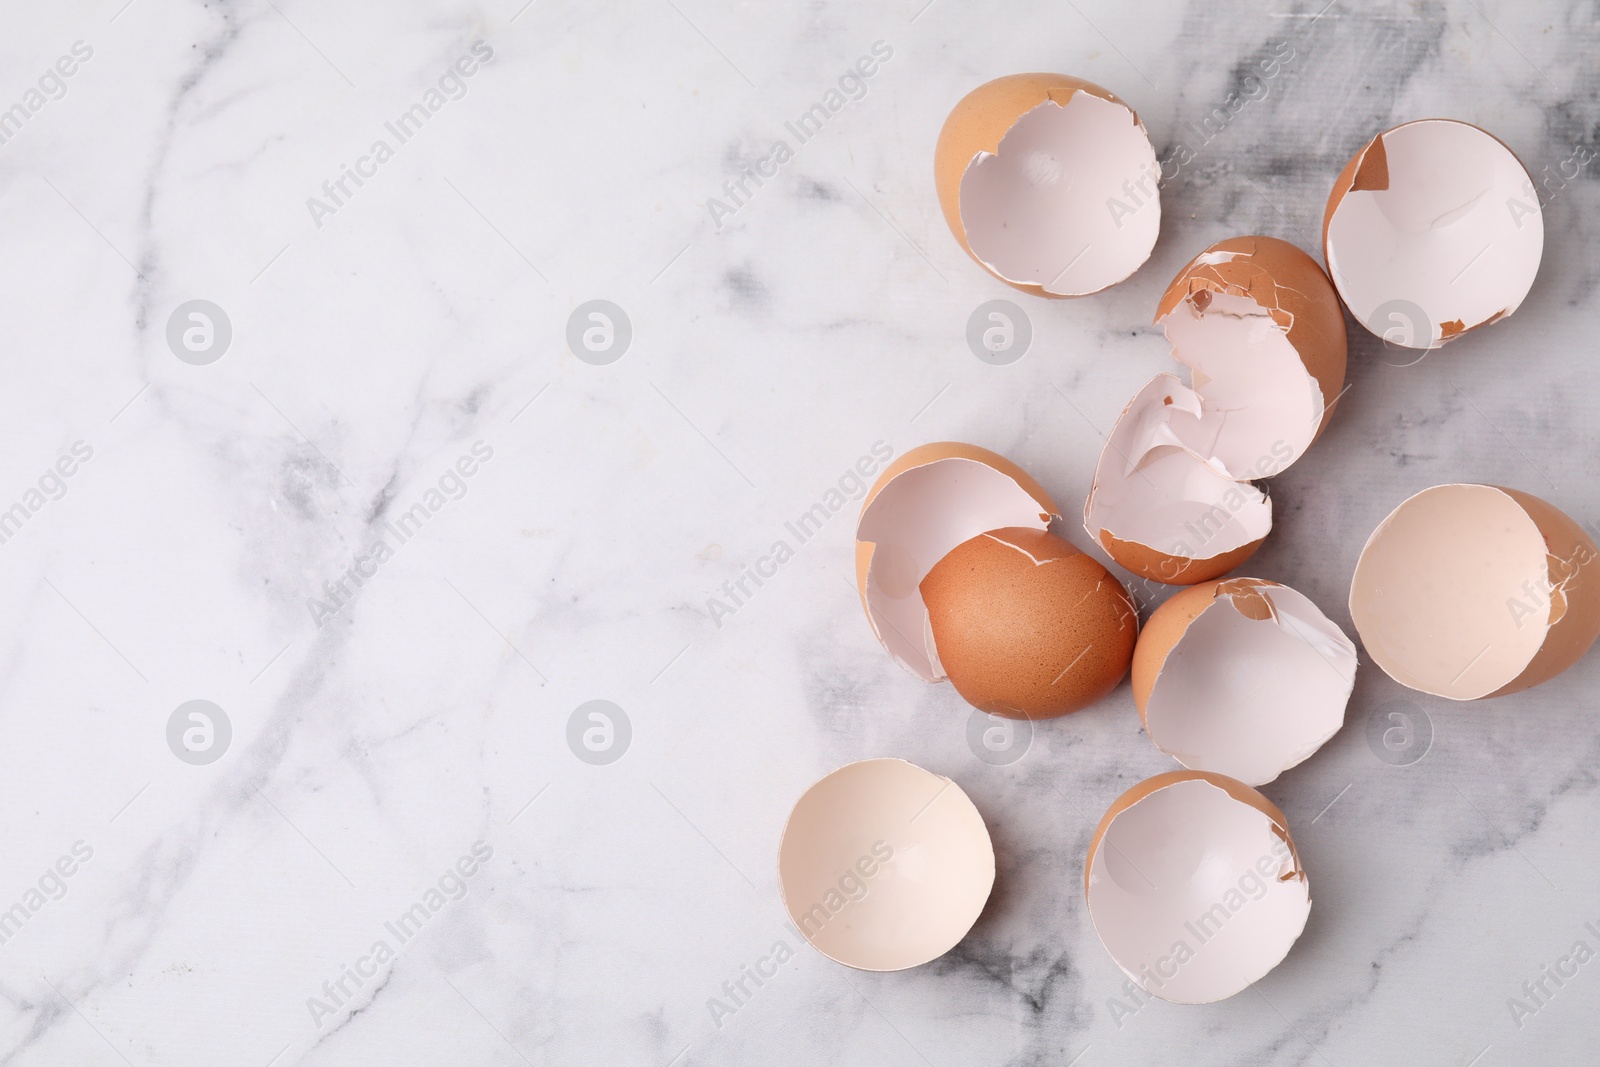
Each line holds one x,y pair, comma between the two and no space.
1027,626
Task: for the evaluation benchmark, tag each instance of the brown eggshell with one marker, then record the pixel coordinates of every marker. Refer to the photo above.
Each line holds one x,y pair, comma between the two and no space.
979,122
1449,593
1234,788
1372,170
1574,605
1027,626
932,453
1287,282
1173,570
1161,633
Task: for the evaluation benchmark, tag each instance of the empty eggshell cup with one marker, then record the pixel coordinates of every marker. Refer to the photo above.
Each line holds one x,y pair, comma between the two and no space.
962,581
1050,183
1431,230
1194,886
1469,591
1244,677
1259,327
884,865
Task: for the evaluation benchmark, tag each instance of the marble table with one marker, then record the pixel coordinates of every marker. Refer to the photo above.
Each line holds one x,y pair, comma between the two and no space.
310,419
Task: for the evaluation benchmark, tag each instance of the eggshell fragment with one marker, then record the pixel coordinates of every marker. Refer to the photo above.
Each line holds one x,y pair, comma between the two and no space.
927,502
1259,326
1469,591
884,865
1244,677
1431,230
1194,886
1158,505
1027,626
1050,183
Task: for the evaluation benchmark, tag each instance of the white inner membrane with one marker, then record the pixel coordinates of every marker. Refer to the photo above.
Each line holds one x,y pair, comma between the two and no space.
1070,200
1155,486
1192,893
1262,405
1456,237
1251,698
913,523
1451,595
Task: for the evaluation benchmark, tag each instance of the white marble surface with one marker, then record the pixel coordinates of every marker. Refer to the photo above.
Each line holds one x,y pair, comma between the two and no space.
427,313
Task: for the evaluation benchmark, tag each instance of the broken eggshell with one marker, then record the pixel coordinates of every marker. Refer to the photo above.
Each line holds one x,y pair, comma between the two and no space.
884,865
924,504
1027,626
1468,591
1259,326
1050,183
1194,886
1244,677
1431,230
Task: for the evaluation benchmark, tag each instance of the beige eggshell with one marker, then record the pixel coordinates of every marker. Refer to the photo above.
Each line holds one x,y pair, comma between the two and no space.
1158,505
1297,297
923,505
884,865
1243,677
1194,886
1431,230
1077,144
1468,591
1027,626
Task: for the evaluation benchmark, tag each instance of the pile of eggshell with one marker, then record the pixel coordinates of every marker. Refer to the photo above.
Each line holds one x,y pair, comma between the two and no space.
1238,679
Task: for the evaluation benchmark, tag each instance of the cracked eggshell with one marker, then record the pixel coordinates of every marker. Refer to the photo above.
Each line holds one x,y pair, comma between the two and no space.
1158,505
1469,591
1194,886
884,865
1244,677
1259,326
1431,230
1027,626
927,502
1050,183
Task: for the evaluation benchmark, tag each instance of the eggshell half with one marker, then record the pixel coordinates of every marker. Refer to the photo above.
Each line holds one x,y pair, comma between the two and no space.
1244,677
926,503
1431,230
1027,626
1469,591
1050,183
1159,505
884,865
1194,886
